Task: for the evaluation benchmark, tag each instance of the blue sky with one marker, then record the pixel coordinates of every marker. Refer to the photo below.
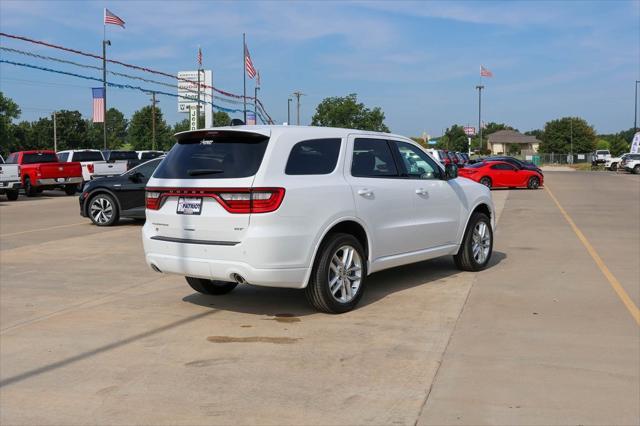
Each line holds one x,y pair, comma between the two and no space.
419,61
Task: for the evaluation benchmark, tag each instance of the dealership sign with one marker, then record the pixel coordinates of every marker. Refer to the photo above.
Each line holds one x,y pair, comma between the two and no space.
469,131
188,93
635,144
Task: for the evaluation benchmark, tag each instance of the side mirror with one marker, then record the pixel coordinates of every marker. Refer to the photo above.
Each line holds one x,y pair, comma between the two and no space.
450,171
136,177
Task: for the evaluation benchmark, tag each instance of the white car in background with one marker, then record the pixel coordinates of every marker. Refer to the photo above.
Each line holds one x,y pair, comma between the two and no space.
612,163
149,155
88,158
10,182
311,208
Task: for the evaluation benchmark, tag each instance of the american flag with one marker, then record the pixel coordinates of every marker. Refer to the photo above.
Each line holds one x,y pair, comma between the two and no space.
485,72
98,104
199,56
110,18
248,65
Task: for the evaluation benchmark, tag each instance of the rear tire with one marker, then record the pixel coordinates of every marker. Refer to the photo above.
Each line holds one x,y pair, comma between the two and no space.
477,244
29,190
338,276
486,181
210,287
613,167
70,189
102,209
12,195
534,182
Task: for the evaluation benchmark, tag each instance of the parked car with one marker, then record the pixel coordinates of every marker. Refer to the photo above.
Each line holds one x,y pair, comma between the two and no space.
439,156
461,160
106,200
500,174
9,180
452,157
41,170
116,163
310,208
88,158
515,162
613,162
631,163
148,155
601,156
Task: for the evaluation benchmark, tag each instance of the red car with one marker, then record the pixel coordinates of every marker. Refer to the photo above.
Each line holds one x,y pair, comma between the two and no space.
42,170
499,174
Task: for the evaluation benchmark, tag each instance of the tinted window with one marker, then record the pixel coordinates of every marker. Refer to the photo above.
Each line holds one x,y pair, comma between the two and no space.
502,167
87,156
122,155
313,157
39,158
223,156
417,163
63,157
149,155
475,165
12,158
146,169
372,158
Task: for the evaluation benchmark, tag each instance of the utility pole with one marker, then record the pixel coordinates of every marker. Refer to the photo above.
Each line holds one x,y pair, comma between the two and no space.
635,111
55,133
480,87
571,136
105,43
289,110
297,95
255,103
153,120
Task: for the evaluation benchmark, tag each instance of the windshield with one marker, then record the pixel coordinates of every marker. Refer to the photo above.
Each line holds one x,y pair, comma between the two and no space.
223,156
40,157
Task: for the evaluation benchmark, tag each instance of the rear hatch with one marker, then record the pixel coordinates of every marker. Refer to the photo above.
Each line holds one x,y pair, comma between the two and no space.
203,190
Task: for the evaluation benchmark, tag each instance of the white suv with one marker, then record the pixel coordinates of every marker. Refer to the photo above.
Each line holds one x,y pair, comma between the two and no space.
308,207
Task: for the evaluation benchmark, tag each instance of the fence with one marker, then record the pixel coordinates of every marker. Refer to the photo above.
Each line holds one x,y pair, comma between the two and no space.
553,158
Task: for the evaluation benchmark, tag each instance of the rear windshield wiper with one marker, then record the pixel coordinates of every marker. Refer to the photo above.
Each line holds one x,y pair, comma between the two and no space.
198,172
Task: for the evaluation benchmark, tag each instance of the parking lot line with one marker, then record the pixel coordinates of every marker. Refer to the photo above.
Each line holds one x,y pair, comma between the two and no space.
42,229
615,284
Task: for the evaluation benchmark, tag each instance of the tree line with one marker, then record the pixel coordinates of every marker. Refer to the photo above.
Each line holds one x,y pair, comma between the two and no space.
75,132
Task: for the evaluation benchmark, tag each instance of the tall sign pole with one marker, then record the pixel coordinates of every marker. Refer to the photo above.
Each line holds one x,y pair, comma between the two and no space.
635,111
105,42
480,87
289,111
244,75
55,133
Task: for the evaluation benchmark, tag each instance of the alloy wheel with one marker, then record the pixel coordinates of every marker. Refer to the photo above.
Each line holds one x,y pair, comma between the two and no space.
101,210
481,242
345,274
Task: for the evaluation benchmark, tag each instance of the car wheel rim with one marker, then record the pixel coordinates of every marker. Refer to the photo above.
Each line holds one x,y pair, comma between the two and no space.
101,210
485,182
481,242
345,274
534,183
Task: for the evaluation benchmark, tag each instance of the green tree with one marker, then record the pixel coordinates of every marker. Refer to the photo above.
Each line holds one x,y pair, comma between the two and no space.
347,112
182,126
558,135
116,131
456,139
619,146
140,133
71,130
221,119
9,111
602,144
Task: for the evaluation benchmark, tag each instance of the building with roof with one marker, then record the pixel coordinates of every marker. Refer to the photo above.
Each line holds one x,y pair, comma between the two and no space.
512,141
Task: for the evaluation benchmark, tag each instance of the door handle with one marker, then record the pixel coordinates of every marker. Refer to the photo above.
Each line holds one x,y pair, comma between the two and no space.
421,191
365,192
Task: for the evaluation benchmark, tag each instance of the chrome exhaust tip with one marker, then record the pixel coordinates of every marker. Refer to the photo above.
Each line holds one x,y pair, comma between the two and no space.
155,268
238,278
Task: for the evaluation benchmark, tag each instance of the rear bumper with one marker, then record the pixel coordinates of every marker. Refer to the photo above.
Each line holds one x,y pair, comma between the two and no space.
56,182
10,185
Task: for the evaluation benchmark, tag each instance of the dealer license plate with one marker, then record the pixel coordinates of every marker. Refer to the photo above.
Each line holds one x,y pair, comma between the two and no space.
189,205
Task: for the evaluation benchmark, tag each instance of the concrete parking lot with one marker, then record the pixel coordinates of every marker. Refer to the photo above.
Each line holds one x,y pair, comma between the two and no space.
89,335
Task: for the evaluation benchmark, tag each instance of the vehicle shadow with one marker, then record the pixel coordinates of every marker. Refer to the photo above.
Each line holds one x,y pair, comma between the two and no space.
267,301
43,196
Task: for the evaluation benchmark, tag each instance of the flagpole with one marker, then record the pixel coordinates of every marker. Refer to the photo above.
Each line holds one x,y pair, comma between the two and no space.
104,79
198,102
244,74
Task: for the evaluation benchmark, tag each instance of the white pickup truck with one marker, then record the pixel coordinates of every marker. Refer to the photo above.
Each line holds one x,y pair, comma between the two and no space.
9,180
117,163
88,158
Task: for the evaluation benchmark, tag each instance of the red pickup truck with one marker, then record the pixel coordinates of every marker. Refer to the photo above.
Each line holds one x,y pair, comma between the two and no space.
42,170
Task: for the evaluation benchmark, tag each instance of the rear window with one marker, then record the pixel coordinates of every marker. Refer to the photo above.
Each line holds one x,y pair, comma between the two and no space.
122,155
313,157
475,165
39,158
150,155
87,156
223,156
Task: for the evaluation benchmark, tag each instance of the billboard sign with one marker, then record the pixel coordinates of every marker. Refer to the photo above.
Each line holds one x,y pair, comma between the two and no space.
469,130
188,93
251,118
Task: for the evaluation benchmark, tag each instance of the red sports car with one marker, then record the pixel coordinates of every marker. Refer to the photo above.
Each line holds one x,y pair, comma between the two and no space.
499,174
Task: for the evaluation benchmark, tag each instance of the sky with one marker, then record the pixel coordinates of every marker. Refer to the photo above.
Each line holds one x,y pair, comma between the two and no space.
418,61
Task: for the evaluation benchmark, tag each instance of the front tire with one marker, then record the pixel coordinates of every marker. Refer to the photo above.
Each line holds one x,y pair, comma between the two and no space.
636,170
12,195
339,272
613,167
477,245
103,210
486,181
210,287
534,182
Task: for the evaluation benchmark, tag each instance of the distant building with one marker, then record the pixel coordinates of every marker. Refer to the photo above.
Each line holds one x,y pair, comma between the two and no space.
511,141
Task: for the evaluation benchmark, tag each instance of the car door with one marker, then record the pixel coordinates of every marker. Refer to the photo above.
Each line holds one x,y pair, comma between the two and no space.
504,174
132,187
382,199
437,206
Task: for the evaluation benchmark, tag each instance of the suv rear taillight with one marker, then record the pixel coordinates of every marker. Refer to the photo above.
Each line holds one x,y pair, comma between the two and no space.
90,167
233,200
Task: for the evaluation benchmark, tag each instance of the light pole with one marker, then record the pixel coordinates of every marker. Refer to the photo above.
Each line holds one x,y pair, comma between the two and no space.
635,111
289,110
255,103
105,43
480,87
55,133
297,95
